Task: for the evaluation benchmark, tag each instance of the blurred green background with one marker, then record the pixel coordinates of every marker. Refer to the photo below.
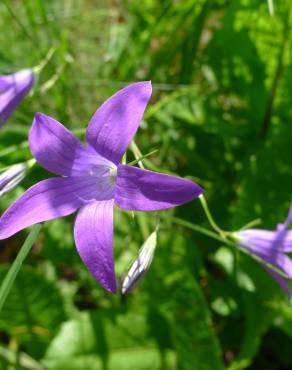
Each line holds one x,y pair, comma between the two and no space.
220,114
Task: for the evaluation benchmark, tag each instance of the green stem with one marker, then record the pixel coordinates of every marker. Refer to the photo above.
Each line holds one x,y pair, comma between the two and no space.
142,157
13,148
16,265
200,230
226,241
251,224
137,153
271,7
210,218
37,69
277,77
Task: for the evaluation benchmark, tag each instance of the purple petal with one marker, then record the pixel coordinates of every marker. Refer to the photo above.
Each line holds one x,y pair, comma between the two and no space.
271,256
280,280
54,147
48,199
60,152
4,83
93,233
280,240
115,123
143,190
12,90
289,218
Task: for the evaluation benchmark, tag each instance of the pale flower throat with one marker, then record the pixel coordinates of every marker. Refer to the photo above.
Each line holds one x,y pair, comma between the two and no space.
105,176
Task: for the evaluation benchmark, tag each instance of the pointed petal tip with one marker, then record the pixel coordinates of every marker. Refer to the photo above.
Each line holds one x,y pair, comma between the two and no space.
200,190
148,84
37,119
111,289
27,71
93,234
24,76
144,86
39,116
144,190
108,284
194,190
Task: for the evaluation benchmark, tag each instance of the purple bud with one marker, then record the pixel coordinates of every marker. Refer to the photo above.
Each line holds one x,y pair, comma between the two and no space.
271,249
13,88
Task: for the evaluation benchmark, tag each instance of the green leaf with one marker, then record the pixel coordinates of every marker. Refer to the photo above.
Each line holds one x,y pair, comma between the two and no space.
14,269
183,303
258,319
33,310
98,340
194,337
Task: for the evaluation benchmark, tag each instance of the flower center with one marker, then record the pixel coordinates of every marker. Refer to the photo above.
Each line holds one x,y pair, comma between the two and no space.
112,174
105,176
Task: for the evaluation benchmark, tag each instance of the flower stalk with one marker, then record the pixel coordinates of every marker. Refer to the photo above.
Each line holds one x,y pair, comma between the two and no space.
210,218
37,69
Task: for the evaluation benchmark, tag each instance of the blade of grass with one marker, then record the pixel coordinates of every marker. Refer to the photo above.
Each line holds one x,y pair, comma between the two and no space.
271,7
142,157
14,269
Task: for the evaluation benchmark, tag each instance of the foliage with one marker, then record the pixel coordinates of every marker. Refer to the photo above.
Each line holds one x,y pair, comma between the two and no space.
220,114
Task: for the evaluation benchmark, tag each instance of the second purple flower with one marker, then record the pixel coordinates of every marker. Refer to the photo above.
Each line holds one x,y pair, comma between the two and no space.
13,88
272,248
93,180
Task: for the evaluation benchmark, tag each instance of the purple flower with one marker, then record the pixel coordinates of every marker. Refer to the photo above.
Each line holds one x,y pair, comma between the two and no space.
93,180
271,247
12,90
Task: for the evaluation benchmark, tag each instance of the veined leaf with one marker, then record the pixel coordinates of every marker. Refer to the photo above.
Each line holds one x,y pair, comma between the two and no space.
98,341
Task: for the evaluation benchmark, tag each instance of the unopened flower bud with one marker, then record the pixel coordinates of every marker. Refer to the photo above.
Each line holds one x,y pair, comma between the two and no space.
141,265
13,88
10,178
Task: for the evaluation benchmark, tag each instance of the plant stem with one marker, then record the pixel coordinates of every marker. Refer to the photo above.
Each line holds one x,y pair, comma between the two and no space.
142,157
277,76
271,7
137,153
200,230
252,223
12,148
224,240
210,218
37,69
16,265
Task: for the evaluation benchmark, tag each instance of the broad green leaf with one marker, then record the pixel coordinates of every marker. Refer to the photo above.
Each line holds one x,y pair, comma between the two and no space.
33,310
99,340
193,334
